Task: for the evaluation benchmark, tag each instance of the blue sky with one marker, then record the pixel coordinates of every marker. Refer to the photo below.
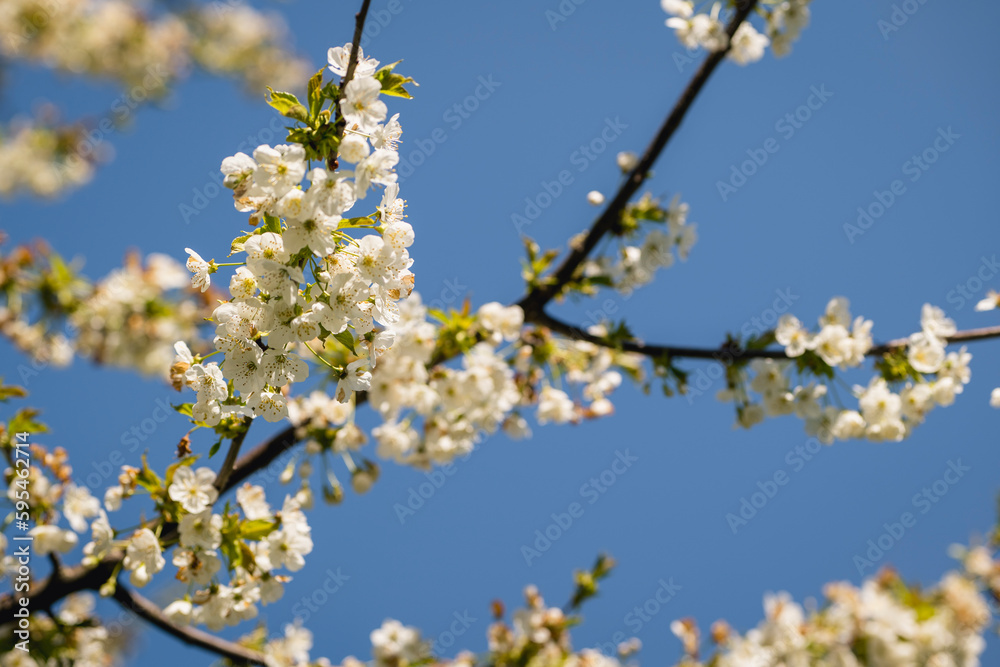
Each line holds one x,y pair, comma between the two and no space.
552,87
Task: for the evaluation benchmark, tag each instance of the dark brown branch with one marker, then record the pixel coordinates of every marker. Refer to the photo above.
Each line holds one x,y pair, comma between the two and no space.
359,27
264,454
967,336
48,592
727,353
652,350
536,299
65,581
234,450
75,579
146,609
352,64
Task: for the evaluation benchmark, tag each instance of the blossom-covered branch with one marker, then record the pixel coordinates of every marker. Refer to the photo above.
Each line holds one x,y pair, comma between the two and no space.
536,299
726,353
235,653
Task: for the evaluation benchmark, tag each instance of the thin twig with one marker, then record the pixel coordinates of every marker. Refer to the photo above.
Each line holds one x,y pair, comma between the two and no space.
234,450
536,299
146,609
359,26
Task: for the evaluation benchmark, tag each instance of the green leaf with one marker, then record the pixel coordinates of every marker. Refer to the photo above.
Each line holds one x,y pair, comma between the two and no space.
257,529
8,392
24,422
287,105
238,242
186,461
618,334
346,339
766,339
272,224
183,408
230,538
246,556
214,448
392,83
351,223
148,479
315,89
331,91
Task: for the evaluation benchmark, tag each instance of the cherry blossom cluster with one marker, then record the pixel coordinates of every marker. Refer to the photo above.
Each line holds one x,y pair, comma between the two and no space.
41,158
491,389
144,53
784,21
255,547
115,39
456,405
134,315
130,318
53,496
911,379
74,634
433,411
229,562
636,262
882,622
305,280
537,634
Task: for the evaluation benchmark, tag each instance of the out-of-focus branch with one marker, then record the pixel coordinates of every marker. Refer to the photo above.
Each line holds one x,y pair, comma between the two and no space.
146,609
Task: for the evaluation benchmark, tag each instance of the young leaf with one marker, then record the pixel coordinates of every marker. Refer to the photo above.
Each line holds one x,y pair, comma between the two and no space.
287,105
392,83
257,529
183,408
346,339
186,461
349,223
148,479
11,391
315,88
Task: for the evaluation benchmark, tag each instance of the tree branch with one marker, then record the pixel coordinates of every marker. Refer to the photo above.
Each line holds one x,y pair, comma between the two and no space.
74,579
729,352
78,578
234,450
536,299
967,336
146,609
359,26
